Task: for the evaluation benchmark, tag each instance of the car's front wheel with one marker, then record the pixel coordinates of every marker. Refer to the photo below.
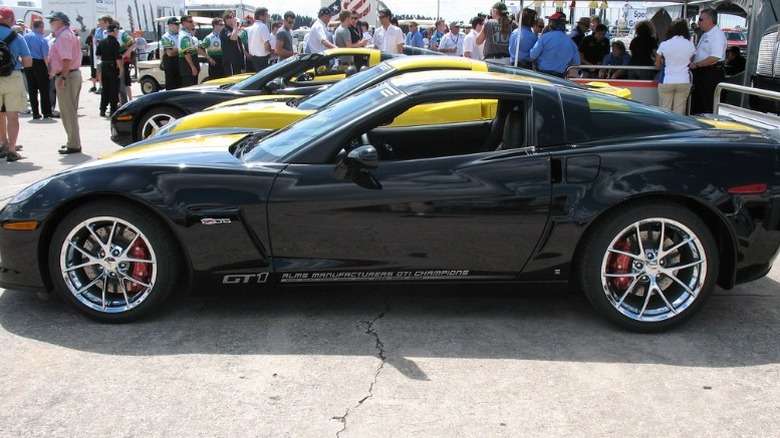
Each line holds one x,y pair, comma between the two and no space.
112,261
649,267
154,120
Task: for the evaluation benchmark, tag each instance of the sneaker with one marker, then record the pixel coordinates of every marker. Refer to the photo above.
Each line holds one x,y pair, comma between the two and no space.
36,116
26,111
13,156
93,89
3,151
99,90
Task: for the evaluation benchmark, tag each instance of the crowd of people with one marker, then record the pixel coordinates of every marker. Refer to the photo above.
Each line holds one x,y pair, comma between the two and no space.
47,66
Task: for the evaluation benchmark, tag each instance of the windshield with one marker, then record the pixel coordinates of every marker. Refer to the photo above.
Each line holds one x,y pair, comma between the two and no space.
735,36
274,70
347,86
321,124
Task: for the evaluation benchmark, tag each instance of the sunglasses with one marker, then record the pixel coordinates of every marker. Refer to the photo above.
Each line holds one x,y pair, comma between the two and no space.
187,21
383,16
354,18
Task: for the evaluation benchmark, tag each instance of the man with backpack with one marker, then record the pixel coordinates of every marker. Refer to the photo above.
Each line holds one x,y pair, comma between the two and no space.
12,95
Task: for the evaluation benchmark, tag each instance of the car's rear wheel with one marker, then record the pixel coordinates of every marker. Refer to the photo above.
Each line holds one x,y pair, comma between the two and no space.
649,267
112,261
154,120
149,85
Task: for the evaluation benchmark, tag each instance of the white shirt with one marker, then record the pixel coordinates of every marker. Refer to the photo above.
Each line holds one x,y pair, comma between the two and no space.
470,45
387,40
257,35
712,43
450,41
677,53
319,32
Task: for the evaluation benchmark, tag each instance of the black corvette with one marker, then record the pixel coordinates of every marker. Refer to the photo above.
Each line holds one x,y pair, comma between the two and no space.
300,74
643,210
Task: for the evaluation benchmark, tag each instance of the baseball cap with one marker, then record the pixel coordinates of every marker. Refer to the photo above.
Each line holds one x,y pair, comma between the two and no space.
20,21
58,16
455,24
6,12
324,11
500,6
113,27
584,20
557,16
174,20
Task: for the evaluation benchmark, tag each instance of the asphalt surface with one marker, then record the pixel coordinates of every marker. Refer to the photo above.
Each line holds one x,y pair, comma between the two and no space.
450,361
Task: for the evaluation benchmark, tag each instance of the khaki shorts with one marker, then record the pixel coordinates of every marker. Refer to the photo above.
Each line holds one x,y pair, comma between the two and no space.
12,94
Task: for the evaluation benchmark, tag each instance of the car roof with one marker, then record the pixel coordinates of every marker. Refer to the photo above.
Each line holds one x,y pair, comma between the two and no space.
455,62
414,82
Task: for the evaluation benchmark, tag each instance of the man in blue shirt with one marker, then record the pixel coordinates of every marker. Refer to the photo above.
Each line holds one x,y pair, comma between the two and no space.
12,96
38,72
527,40
554,52
414,37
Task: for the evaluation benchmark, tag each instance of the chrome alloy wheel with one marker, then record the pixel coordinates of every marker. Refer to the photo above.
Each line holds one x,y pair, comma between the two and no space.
108,264
154,123
653,269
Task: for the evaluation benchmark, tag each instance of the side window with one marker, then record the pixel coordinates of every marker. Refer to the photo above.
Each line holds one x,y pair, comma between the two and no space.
453,127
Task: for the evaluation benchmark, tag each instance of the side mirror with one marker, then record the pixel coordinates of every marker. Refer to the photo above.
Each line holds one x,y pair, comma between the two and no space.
355,167
276,84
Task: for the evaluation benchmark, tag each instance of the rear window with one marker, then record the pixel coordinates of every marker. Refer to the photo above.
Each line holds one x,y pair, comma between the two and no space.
592,116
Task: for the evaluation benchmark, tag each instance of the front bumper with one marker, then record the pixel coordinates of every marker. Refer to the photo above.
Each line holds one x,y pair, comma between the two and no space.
121,132
19,264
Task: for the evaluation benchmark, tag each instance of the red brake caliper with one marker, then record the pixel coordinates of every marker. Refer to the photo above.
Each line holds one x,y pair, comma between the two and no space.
139,271
621,264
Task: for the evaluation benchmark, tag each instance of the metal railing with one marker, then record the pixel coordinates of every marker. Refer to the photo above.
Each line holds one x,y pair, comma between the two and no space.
745,115
573,68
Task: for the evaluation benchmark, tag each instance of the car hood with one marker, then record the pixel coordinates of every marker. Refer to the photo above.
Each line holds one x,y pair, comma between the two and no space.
253,99
258,115
212,147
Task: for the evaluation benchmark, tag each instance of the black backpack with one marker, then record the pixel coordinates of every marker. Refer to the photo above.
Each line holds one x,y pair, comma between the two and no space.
6,56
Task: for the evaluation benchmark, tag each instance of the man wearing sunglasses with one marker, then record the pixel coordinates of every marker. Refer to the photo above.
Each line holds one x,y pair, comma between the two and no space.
707,65
387,37
189,67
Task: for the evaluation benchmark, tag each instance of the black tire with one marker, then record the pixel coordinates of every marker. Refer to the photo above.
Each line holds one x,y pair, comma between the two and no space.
632,283
155,119
149,85
98,244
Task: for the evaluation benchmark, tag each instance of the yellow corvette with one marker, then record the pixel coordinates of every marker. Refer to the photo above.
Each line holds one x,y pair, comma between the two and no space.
267,112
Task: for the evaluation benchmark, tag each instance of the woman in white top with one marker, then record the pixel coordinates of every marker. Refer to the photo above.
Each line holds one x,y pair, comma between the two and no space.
674,55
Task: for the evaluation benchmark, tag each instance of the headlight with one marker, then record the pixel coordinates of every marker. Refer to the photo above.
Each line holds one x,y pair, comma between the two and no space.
29,191
166,129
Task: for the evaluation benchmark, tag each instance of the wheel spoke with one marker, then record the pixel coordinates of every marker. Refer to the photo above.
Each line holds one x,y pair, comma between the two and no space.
90,284
661,239
135,260
629,288
111,234
663,297
103,295
130,245
124,293
92,262
647,301
96,237
134,280
639,239
621,275
684,286
81,250
675,247
625,253
685,266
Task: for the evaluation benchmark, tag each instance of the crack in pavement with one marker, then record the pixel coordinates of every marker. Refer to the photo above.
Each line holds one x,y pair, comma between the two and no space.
368,328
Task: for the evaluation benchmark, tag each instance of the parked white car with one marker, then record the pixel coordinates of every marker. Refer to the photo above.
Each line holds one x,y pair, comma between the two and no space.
152,78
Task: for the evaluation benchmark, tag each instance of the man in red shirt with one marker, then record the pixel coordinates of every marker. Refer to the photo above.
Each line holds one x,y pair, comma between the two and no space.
64,62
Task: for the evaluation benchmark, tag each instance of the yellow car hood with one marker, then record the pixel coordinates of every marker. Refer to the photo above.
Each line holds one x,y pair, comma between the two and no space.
256,115
253,99
215,143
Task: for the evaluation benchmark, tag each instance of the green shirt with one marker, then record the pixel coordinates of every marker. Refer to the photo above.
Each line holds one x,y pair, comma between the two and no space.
188,44
212,44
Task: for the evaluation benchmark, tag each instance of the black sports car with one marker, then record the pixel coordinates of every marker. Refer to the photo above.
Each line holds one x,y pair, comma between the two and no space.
643,210
300,74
